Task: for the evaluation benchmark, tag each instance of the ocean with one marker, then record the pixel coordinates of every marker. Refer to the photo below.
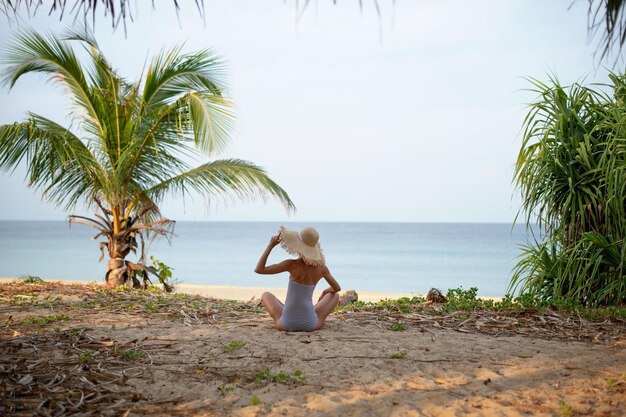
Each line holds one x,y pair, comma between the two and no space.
380,257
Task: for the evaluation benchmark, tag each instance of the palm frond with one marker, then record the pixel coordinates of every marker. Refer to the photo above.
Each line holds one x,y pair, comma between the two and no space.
608,18
118,11
198,80
57,161
32,52
223,178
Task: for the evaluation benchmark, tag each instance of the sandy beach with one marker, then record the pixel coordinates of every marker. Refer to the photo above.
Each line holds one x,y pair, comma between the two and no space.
74,349
228,292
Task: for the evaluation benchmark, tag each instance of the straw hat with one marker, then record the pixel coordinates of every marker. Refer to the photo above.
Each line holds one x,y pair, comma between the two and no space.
304,244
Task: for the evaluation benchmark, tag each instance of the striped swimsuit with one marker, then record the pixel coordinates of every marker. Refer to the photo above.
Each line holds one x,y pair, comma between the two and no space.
299,313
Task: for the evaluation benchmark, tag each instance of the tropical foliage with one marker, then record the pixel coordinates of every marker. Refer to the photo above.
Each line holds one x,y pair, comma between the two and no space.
119,11
129,144
571,171
607,18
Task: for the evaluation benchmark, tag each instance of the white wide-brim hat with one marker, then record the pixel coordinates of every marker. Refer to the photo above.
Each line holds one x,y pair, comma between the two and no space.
304,244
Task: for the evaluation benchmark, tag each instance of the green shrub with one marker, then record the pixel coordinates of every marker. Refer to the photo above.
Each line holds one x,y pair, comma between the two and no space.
571,171
398,327
30,279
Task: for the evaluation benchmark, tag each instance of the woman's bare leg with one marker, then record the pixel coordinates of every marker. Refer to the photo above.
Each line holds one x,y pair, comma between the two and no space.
274,307
324,307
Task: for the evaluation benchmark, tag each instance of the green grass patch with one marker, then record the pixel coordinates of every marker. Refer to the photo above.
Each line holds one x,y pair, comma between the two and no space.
404,305
266,376
255,400
399,355
233,346
152,307
42,321
85,357
461,300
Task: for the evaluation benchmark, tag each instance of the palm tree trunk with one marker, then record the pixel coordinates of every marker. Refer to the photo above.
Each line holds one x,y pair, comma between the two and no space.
117,272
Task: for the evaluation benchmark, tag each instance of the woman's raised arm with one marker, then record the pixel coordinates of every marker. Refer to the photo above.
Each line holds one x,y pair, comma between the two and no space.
272,269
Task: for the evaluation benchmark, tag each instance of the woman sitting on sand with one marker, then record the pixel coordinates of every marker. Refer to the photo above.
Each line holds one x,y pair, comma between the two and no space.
298,312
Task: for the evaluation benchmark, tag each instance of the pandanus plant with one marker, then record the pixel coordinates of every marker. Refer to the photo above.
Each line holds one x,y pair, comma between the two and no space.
571,171
129,144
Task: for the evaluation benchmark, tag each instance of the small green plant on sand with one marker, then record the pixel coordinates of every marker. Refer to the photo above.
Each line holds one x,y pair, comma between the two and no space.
565,410
233,346
152,307
255,400
164,272
226,388
299,376
85,357
266,376
30,279
133,355
398,327
613,381
399,355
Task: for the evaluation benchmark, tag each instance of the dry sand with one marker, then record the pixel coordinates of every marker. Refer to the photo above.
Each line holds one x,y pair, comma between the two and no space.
345,369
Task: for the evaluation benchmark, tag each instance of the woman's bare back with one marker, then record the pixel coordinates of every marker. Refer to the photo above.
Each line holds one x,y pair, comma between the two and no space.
306,274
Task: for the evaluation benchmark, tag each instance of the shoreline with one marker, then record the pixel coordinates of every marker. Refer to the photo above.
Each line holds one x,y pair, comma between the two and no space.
230,292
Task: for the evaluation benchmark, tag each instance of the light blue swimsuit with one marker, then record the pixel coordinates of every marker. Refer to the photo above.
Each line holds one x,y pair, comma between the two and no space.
299,313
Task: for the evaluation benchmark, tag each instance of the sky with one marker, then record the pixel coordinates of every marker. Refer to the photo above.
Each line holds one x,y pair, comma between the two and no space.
413,116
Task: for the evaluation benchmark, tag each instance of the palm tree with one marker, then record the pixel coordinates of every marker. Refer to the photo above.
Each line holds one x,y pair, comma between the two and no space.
129,144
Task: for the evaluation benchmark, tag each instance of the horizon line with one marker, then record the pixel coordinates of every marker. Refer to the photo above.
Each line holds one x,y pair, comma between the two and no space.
307,221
